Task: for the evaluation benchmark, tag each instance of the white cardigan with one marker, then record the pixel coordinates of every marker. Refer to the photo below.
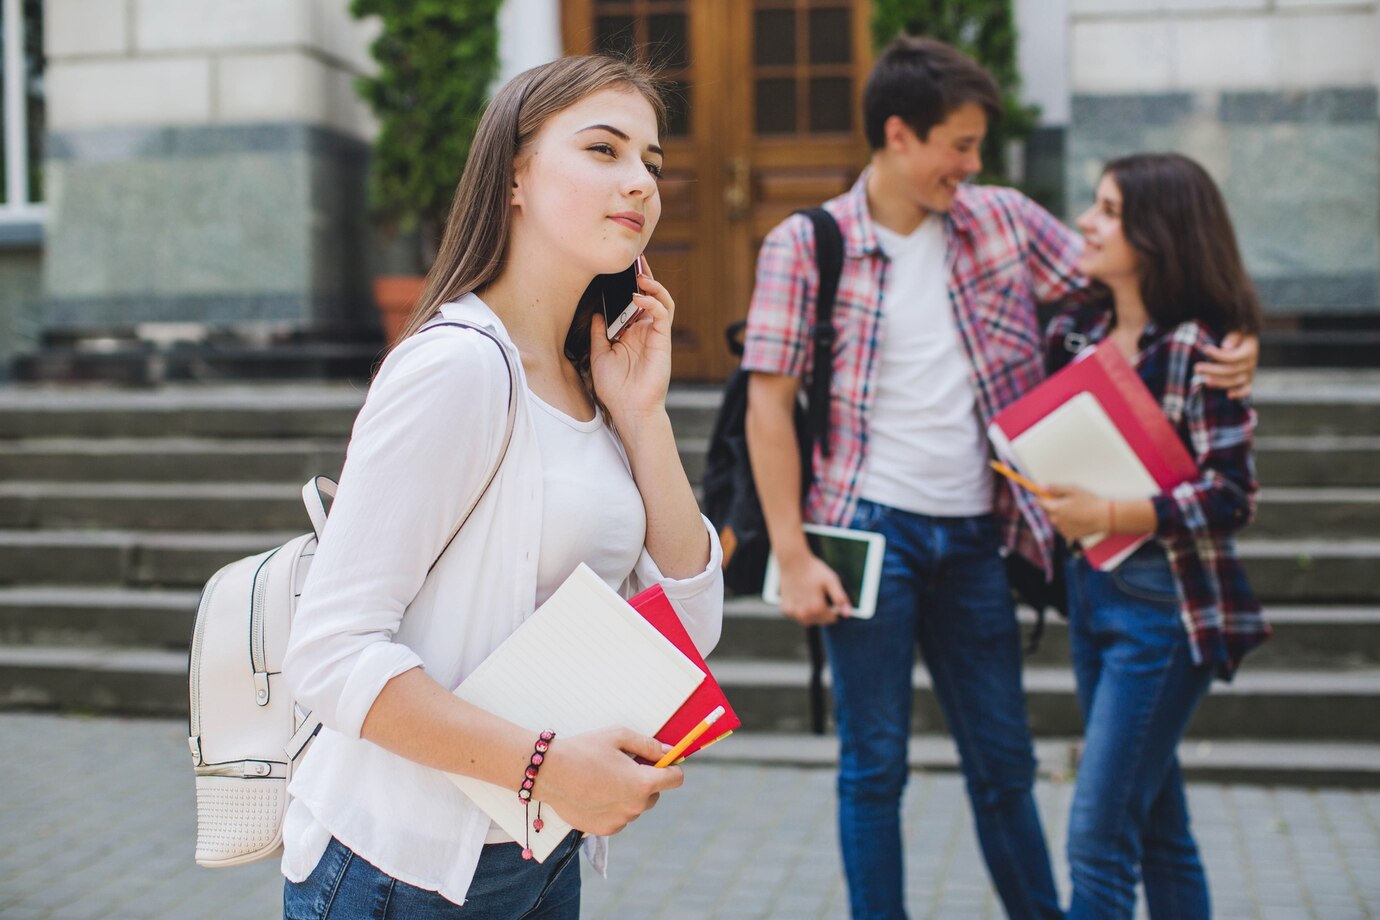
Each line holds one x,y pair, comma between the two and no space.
429,432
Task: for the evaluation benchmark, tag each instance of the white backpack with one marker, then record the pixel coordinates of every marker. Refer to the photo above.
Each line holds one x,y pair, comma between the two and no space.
246,734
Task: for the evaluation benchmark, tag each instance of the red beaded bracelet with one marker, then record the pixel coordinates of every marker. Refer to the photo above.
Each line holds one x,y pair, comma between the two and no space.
529,779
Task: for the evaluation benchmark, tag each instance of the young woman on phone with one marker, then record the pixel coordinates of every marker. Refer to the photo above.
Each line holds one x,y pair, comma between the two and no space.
560,186
1148,638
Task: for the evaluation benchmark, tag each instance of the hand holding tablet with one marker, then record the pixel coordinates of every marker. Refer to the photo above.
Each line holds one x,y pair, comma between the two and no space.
854,555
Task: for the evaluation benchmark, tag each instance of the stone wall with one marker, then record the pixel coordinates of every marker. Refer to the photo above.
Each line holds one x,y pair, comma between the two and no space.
20,297
206,163
1277,99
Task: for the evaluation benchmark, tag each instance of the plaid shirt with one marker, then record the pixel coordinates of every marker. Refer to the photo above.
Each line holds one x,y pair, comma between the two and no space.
1195,522
1005,254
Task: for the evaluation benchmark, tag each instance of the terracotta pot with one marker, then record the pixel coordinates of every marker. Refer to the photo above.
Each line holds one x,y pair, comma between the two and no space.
396,296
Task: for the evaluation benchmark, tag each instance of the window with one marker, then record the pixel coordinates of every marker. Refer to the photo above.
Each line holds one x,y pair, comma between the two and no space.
21,114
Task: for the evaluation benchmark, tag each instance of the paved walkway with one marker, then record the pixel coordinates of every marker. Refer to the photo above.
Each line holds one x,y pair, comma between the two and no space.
96,821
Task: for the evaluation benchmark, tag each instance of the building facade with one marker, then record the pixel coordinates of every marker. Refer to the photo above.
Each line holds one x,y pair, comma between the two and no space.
183,166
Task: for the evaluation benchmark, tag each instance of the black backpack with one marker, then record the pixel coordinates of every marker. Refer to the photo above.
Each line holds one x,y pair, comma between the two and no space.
730,495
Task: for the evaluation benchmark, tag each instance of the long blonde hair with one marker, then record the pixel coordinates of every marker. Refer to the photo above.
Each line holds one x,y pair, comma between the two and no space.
474,245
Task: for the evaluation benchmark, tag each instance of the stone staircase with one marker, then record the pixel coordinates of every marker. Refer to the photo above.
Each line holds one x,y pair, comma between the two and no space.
115,507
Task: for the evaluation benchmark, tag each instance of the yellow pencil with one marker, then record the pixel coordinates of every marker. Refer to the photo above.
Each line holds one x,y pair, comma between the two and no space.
670,756
1020,480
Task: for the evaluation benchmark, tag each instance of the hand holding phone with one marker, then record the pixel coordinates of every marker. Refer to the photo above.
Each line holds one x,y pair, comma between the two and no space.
617,292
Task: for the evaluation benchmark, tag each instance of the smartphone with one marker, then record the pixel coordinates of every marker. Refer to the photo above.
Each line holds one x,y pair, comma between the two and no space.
616,298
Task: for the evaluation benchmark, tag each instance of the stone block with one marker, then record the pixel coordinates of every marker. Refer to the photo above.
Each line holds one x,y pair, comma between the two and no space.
20,295
228,226
85,27
289,86
182,25
344,37
1333,48
1110,56
164,91
1332,105
1218,53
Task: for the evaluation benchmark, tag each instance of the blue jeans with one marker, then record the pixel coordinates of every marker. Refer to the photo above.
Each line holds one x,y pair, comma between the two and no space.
345,887
944,589
1138,688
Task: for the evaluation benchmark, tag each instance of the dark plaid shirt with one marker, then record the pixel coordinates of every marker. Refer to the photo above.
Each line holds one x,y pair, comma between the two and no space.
1196,521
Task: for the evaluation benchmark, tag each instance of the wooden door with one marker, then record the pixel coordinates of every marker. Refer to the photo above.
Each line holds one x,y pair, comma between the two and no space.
765,119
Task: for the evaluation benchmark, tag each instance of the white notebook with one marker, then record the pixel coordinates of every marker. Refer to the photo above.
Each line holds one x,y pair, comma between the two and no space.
584,660
1079,444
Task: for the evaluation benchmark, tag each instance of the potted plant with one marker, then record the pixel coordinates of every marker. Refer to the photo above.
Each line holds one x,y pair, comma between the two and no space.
436,61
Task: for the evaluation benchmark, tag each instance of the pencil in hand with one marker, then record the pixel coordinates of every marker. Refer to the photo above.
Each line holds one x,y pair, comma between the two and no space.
690,737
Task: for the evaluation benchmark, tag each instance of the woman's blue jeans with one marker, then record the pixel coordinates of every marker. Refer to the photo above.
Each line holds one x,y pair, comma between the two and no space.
1138,688
944,590
506,887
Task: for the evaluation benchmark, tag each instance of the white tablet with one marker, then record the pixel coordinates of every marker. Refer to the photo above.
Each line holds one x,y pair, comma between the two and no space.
856,555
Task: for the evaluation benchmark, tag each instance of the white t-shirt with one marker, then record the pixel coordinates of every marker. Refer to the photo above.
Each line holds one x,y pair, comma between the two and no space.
585,482
926,452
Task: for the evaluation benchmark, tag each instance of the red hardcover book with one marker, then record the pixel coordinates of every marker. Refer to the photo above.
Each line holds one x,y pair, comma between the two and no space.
657,610
1106,375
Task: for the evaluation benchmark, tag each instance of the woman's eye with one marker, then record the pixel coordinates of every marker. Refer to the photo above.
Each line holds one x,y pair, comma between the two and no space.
655,170
604,149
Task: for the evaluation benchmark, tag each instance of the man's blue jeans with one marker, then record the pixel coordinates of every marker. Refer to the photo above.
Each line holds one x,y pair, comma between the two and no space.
944,590
1138,687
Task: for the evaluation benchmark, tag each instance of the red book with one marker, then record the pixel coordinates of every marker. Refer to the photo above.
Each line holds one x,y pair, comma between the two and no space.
657,610
1056,434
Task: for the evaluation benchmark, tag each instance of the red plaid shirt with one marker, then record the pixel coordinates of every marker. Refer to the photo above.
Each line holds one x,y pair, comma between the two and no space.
1196,521
1005,255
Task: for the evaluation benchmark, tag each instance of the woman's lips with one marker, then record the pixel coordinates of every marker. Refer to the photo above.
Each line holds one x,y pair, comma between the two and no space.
631,221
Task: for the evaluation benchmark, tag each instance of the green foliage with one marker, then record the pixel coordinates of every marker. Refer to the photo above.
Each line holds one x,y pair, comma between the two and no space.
984,30
436,62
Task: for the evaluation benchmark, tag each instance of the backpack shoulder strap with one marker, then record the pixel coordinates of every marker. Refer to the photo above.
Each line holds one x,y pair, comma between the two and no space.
829,261
507,433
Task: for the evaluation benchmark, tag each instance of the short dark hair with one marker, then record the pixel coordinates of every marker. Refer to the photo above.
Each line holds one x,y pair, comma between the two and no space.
923,81
1176,222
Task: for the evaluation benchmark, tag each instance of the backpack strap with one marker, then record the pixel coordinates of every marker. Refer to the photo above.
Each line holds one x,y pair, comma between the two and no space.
829,261
320,488
507,433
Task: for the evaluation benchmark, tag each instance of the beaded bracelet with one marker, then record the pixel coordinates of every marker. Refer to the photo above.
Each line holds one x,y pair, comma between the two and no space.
529,779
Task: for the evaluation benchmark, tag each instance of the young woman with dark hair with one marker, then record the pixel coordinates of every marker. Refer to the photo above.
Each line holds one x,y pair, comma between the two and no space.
1148,637
560,186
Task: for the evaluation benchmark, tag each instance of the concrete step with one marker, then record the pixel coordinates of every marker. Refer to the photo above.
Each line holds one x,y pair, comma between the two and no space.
219,411
1318,460
1316,637
138,559
1340,513
1296,705
769,696
1317,402
1262,762
306,410
153,506
1313,571
114,680
1282,572
94,679
95,616
169,460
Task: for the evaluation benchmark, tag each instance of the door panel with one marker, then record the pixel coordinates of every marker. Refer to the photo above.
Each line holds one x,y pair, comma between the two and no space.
764,120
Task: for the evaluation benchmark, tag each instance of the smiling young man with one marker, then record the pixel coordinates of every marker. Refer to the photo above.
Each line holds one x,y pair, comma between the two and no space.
937,332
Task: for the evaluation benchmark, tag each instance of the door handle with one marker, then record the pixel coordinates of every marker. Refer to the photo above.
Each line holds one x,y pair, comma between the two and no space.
738,194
